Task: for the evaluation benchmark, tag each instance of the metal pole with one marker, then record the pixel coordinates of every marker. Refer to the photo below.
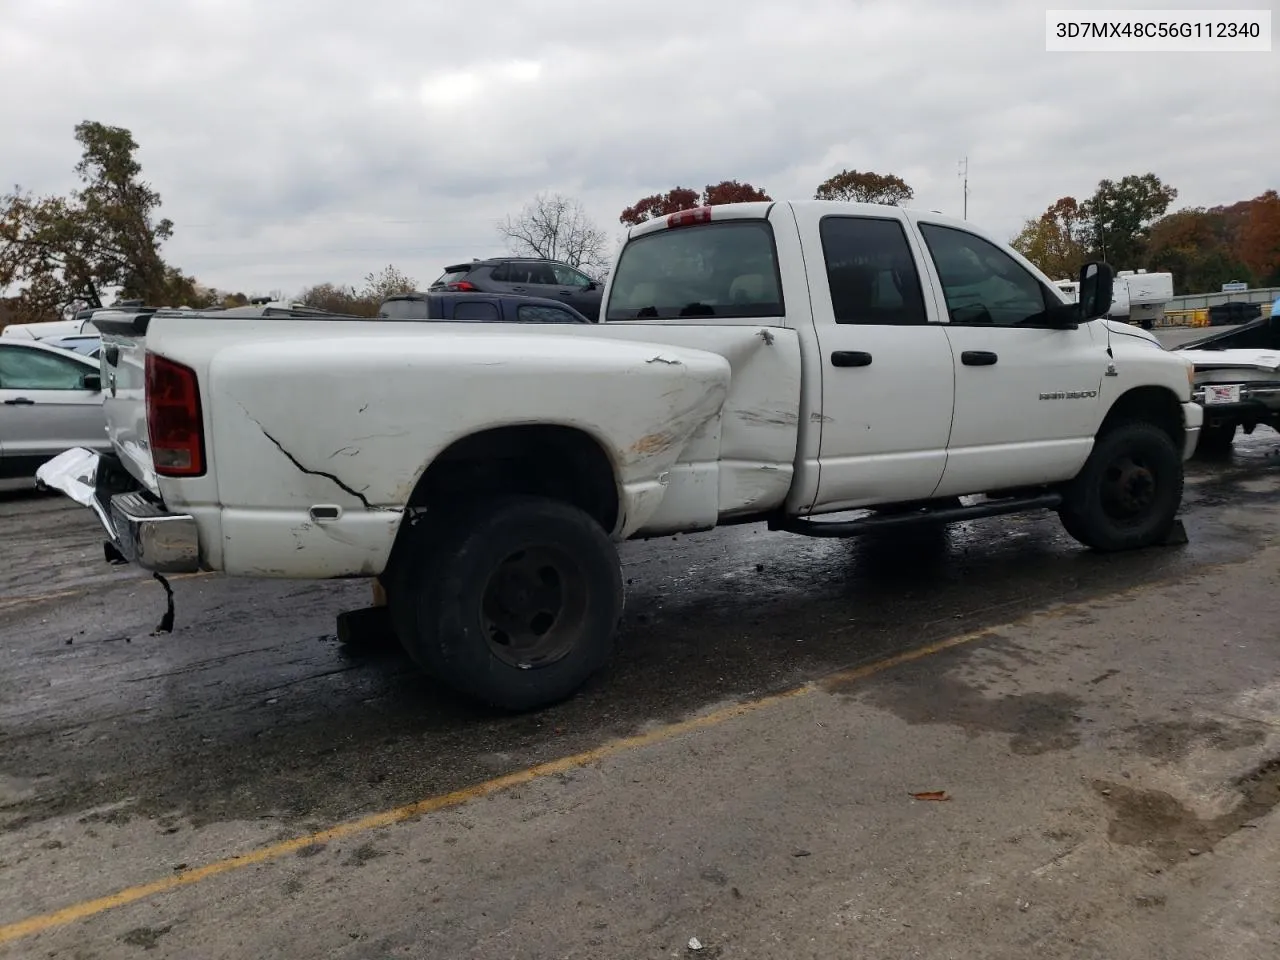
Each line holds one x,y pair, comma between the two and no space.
964,172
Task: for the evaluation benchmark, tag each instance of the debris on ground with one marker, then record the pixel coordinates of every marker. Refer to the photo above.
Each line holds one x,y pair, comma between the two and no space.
931,795
166,622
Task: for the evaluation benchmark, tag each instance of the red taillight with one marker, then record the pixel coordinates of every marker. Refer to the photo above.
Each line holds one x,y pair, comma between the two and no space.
174,423
463,285
685,218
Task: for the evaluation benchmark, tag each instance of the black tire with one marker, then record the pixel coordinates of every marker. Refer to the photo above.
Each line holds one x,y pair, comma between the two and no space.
1216,441
514,601
1128,493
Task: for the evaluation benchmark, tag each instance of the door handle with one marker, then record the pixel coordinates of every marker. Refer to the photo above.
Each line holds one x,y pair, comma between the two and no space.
978,358
517,289
20,402
850,358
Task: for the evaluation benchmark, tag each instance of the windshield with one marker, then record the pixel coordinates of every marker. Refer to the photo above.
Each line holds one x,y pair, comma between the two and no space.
726,269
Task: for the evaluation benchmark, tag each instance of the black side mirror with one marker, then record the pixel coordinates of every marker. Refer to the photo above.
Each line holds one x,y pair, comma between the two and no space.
1064,317
591,285
1095,290
92,381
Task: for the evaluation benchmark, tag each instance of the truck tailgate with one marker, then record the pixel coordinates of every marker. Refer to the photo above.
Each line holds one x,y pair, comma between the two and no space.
124,376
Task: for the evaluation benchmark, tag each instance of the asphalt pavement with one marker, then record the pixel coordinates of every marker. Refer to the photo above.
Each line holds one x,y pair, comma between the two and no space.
985,742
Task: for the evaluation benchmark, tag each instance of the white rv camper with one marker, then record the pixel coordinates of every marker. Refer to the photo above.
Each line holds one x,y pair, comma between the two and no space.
1139,297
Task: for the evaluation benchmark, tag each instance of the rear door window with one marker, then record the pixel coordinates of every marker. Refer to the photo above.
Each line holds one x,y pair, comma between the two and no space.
542,274
538,313
870,271
725,269
475,310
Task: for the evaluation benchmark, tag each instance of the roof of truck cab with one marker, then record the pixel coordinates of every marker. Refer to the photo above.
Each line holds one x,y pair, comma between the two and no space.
760,209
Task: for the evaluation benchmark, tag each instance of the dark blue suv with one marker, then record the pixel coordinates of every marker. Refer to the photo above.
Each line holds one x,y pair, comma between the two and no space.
477,308
525,276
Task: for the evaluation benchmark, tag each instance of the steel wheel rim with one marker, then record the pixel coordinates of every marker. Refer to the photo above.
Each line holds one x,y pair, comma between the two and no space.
533,606
1129,489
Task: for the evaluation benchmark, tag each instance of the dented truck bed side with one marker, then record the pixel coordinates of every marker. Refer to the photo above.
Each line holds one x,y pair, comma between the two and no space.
318,431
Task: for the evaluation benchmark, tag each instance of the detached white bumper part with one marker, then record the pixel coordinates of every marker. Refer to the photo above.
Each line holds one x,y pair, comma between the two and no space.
140,529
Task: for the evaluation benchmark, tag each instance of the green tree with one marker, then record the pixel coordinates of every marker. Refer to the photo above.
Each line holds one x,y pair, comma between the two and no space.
64,252
1056,240
1120,215
865,187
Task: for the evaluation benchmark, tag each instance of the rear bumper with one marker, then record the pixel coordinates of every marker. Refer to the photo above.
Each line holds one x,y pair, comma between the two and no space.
152,537
139,528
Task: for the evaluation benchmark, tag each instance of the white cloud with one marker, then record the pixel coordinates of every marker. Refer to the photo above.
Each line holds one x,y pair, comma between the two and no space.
300,142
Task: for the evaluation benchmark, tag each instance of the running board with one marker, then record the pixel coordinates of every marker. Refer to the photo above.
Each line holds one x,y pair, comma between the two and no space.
854,528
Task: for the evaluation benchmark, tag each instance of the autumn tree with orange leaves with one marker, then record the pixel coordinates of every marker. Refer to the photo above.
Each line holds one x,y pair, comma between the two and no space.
685,198
1259,241
1056,241
1196,246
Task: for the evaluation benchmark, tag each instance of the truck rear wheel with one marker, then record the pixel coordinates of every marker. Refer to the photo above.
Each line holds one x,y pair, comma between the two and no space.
514,601
1128,493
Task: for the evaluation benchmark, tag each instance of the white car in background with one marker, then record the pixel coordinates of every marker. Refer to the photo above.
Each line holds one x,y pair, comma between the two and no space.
1237,380
50,401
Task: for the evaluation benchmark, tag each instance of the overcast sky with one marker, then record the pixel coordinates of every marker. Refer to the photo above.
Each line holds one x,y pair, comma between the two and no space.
299,141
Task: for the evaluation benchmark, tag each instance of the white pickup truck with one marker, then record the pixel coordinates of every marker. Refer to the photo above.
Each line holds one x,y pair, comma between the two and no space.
766,362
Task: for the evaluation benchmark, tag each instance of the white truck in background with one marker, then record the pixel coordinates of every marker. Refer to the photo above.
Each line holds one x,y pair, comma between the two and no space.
771,362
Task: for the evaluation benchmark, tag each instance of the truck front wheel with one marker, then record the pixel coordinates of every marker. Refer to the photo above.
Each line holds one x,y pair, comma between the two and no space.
514,600
1128,493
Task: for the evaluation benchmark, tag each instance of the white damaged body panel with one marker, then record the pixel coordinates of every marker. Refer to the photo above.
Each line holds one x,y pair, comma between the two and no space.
349,415
742,462
1261,364
125,405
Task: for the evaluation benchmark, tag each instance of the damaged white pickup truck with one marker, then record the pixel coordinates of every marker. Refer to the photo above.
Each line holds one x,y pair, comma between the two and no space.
763,362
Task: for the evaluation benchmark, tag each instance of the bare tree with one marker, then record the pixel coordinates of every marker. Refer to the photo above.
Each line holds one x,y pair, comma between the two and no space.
557,228
387,282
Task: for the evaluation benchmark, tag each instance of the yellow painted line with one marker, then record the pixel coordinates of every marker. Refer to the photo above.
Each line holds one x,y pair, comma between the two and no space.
89,908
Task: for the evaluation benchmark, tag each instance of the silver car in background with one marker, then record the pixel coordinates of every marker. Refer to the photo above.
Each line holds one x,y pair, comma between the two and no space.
50,401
